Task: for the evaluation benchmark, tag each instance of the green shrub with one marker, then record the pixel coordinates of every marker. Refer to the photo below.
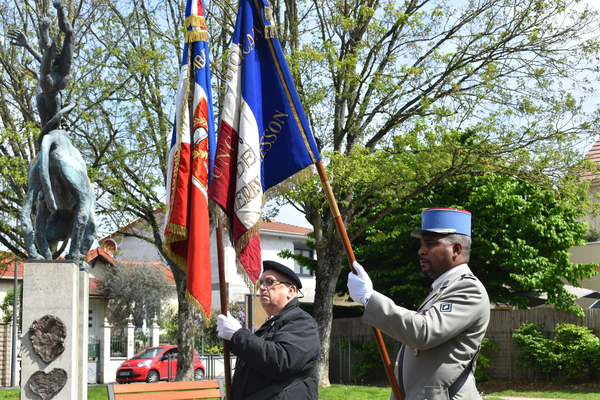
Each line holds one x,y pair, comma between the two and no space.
577,349
370,358
486,358
574,352
533,343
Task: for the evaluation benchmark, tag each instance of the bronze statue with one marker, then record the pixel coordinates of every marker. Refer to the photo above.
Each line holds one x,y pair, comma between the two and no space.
59,191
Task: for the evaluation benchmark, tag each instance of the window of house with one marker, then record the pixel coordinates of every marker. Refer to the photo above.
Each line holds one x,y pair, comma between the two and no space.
306,252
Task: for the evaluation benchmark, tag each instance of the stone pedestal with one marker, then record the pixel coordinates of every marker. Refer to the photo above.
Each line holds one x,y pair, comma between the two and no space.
55,291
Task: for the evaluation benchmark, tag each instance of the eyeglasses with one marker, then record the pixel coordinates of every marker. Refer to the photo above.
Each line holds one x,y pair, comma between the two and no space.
269,283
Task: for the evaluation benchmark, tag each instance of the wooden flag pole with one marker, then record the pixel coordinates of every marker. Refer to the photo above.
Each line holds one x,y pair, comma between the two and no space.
223,293
350,255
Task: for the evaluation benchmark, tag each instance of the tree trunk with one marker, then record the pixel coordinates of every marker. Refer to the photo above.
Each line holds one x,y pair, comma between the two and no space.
330,252
185,338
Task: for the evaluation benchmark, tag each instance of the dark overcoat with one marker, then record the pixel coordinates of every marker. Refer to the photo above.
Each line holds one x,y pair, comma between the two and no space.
281,355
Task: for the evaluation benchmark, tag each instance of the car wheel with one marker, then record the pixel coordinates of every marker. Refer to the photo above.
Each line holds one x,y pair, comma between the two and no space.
198,375
152,376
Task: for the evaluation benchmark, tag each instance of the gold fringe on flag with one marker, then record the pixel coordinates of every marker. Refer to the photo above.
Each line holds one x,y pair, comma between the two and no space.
197,21
192,300
179,232
196,35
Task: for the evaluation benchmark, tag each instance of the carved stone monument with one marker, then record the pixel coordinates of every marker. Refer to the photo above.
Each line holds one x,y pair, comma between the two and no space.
55,331
59,207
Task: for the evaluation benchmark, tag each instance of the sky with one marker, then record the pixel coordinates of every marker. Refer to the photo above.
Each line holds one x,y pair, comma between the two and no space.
289,215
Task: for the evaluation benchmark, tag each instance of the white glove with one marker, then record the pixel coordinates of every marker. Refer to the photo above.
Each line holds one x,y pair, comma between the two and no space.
227,326
360,286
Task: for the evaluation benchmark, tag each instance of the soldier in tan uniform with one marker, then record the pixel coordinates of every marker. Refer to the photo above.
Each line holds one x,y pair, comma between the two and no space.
441,340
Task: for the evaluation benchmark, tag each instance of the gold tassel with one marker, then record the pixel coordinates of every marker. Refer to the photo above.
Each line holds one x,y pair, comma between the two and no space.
178,230
270,32
268,14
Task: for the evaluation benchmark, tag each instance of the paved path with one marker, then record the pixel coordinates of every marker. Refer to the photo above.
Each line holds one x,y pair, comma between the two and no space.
520,398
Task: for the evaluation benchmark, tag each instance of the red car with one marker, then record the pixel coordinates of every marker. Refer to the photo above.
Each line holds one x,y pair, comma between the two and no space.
152,365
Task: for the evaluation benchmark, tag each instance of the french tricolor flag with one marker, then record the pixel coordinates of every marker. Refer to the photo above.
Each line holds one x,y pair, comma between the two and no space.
264,136
187,229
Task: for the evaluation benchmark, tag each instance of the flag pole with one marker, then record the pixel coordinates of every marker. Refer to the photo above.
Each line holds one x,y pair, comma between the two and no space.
223,293
387,364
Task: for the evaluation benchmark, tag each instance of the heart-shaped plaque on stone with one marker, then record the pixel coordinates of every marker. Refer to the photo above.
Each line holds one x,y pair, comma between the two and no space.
47,336
47,385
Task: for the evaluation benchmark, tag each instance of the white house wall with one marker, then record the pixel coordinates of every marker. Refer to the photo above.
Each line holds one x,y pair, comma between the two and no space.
588,253
272,242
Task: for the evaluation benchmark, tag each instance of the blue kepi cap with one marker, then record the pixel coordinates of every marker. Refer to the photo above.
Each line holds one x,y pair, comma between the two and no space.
444,221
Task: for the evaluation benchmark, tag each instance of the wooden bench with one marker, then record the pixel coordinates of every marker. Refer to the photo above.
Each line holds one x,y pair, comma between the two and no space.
167,391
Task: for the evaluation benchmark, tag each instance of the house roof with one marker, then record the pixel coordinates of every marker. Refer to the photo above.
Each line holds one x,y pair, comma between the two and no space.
594,152
99,252
96,288
165,270
128,226
594,155
543,297
8,259
281,227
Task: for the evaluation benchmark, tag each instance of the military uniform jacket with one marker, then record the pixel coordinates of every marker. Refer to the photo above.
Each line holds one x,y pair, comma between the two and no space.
439,339
285,347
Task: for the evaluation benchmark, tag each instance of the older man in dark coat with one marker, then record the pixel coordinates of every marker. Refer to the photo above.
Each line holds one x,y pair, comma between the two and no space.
278,361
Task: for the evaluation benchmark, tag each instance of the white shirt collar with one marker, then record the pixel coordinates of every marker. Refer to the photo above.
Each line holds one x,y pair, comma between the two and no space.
459,269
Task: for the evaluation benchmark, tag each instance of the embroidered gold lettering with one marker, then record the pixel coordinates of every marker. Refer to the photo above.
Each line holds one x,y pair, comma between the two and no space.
245,160
200,60
249,44
274,127
247,193
222,157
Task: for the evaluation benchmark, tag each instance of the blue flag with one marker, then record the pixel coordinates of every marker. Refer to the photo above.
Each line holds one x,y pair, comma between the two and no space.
264,136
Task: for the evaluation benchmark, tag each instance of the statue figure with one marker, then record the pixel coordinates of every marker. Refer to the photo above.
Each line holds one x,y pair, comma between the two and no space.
54,68
59,190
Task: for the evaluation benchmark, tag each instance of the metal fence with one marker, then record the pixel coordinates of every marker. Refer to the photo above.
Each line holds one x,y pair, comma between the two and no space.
118,345
214,365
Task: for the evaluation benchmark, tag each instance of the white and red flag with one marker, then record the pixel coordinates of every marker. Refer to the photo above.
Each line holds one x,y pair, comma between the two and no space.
187,228
264,136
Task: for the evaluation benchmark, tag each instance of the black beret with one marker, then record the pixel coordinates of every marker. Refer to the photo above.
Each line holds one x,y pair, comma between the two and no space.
282,269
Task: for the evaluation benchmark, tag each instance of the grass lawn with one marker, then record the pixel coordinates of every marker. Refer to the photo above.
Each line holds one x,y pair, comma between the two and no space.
346,392
588,391
554,394
543,389
94,393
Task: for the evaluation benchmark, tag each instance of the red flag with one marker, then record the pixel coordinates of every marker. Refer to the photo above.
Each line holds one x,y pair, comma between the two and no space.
187,229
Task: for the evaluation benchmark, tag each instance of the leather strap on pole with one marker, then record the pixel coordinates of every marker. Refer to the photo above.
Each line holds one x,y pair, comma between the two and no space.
223,293
387,364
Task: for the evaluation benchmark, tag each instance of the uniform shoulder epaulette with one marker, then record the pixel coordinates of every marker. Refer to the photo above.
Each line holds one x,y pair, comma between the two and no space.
468,276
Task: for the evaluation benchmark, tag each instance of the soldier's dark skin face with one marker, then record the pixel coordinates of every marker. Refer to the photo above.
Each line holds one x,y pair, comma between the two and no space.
438,255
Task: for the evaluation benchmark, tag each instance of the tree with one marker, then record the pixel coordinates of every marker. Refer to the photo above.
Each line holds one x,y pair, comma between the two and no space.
406,96
521,239
7,305
124,74
137,289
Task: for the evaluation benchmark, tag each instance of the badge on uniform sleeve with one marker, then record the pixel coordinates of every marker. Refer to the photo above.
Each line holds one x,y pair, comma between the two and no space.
446,307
